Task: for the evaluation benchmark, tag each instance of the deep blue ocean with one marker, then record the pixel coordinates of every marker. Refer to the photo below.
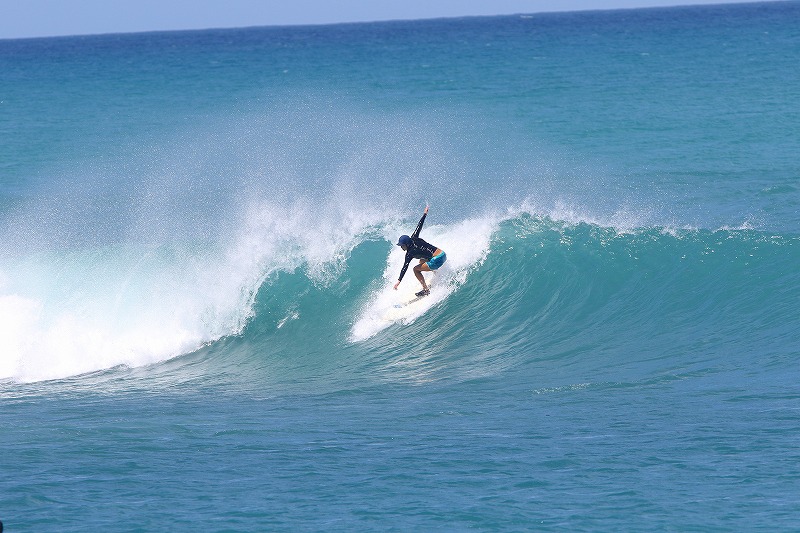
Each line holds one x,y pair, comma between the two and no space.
198,329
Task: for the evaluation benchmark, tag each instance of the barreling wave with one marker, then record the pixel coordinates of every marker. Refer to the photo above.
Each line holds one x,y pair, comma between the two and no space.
548,292
521,290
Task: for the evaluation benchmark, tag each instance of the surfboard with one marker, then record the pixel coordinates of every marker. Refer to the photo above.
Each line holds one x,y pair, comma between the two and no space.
403,304
407,303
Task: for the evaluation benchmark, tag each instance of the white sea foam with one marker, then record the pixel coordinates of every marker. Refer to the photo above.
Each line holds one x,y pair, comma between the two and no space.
64,314
88,311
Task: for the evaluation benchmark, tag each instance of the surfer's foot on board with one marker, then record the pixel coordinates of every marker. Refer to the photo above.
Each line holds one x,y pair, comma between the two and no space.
423,292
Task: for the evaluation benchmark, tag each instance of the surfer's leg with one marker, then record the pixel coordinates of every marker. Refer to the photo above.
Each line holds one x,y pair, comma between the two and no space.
418,270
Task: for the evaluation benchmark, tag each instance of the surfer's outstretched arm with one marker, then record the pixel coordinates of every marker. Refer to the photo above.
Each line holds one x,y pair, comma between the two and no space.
419,224
403,271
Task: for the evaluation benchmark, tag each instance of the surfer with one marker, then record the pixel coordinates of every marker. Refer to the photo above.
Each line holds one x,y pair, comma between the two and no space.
430,257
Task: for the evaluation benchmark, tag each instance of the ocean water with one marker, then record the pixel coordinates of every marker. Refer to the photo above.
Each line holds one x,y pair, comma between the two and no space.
197,326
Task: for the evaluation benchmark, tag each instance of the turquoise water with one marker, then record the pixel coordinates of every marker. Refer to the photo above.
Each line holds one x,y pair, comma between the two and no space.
197,327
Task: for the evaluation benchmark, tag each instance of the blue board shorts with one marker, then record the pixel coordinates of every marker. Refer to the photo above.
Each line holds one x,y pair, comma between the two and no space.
436,261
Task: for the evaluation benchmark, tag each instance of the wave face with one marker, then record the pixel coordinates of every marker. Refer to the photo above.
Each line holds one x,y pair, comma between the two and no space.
547,293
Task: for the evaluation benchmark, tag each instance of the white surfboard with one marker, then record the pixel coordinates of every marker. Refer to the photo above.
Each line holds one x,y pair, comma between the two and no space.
407,304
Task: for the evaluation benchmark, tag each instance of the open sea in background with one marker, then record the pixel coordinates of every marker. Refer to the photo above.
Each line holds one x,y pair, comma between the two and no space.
197,250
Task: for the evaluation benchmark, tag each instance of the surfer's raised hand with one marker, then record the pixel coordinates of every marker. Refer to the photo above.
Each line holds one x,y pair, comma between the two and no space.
426,209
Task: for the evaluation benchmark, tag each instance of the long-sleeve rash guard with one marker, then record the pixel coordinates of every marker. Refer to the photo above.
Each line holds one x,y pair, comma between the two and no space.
418,249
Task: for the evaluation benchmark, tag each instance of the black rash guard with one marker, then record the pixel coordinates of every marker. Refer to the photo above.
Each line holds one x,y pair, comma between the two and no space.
418,249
